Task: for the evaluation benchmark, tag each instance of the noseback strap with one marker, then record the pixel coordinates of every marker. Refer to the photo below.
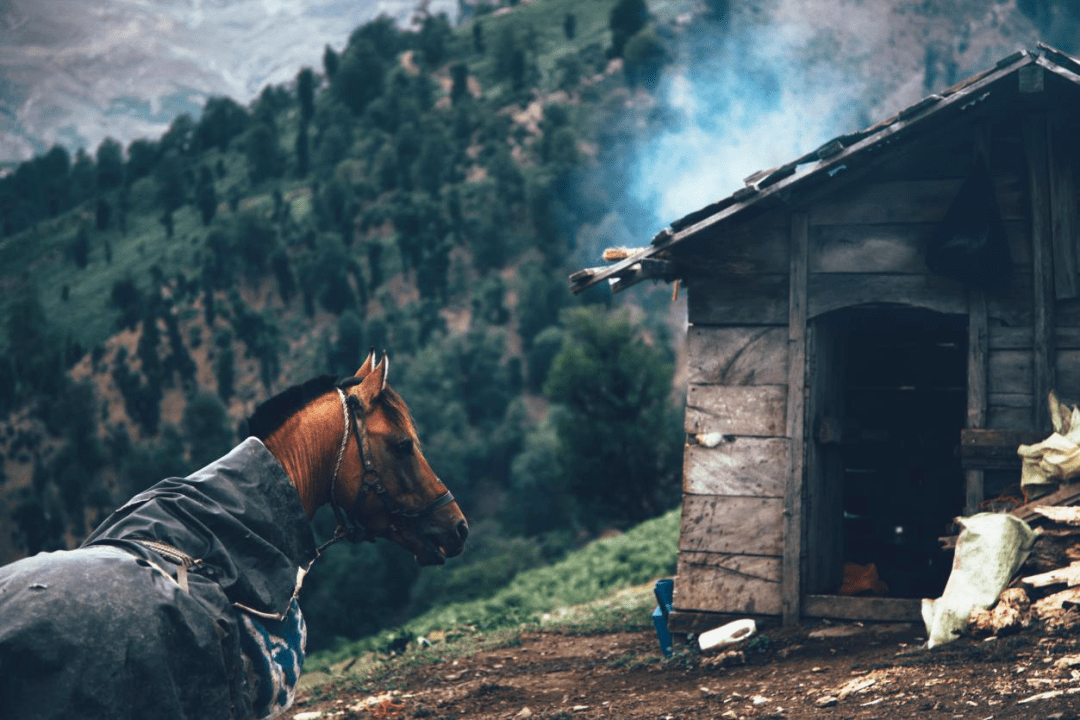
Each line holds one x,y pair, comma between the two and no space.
445,499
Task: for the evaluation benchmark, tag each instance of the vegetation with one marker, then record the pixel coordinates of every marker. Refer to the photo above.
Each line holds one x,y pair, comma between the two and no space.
393,198
538,596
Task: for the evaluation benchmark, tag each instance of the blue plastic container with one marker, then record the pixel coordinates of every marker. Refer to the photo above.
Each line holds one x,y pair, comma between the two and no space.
664,591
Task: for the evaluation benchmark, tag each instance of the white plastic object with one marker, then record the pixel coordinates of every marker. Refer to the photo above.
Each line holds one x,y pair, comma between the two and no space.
729,634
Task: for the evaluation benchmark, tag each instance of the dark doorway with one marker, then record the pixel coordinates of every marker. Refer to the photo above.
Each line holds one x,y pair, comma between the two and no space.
887,417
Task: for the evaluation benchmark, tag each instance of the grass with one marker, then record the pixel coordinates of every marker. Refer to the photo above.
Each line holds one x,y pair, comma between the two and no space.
604,587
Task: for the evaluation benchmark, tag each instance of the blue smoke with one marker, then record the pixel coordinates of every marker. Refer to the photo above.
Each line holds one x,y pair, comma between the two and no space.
738,101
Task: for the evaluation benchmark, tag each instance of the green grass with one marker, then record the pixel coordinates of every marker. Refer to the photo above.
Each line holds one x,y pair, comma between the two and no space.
586,592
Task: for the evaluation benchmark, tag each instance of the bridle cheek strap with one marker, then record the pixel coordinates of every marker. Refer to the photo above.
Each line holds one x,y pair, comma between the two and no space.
349,526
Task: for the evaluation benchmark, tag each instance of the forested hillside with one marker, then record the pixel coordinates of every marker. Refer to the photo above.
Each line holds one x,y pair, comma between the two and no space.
420,192
428,191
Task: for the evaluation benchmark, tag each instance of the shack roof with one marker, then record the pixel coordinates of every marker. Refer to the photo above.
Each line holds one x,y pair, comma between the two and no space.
834,159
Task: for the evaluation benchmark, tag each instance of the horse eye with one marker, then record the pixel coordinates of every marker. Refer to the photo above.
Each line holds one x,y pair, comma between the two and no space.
403,447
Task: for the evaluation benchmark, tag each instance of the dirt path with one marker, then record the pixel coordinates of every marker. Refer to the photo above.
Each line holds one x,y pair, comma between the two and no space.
852,672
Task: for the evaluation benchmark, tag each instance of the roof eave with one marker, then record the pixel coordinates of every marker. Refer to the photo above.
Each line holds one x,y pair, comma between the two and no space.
967,93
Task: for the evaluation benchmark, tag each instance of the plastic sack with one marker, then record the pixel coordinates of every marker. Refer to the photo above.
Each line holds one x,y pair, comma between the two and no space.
969,244
989,551
1055,459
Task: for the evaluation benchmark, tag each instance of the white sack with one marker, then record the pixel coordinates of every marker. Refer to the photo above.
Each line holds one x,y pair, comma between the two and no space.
990,550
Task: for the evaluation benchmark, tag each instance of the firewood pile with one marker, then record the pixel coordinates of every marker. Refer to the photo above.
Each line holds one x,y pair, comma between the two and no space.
1045,593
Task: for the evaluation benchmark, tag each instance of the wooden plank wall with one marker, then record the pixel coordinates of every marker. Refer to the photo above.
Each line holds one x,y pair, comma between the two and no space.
864,244
736,460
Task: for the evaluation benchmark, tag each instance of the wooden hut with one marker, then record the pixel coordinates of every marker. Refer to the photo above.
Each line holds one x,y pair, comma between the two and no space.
873,328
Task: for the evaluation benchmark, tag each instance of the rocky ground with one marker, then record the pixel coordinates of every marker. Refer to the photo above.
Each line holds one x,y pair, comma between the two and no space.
818,671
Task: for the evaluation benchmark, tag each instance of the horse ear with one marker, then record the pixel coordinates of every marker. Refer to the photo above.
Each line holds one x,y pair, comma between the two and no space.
368,366
375,382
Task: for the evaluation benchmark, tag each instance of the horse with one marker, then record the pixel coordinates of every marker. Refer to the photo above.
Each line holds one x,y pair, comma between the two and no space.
183,602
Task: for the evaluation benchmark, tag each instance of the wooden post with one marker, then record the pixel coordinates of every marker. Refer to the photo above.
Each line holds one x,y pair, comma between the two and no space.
791,572
1042,253
976,391
1061,151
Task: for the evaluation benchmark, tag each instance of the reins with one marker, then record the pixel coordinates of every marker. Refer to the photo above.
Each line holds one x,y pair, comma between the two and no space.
348,524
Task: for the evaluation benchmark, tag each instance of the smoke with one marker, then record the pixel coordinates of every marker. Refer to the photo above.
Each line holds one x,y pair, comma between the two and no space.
738,100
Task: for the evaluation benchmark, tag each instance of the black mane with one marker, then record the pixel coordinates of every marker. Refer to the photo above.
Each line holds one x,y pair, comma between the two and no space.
272,414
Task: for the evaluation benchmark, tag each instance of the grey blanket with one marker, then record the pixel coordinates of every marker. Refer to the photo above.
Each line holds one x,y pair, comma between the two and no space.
105,631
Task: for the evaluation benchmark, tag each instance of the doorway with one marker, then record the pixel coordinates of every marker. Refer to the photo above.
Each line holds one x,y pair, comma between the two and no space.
888,399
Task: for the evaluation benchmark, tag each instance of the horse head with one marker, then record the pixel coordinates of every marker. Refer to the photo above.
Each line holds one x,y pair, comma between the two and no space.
383,479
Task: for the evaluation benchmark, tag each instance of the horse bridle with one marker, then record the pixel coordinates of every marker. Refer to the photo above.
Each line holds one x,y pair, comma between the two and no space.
349,526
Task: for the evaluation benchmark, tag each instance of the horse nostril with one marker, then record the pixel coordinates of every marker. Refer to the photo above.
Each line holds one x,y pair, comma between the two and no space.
463,530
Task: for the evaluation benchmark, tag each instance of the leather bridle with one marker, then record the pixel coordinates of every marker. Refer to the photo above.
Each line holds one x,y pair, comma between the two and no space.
349,526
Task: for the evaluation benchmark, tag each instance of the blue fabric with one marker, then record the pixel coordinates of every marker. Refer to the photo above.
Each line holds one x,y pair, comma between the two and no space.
274,652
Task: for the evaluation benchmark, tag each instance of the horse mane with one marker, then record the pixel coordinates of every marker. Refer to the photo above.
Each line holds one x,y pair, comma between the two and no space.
272,414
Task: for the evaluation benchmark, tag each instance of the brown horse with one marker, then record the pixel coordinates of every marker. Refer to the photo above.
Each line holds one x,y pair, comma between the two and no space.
183,603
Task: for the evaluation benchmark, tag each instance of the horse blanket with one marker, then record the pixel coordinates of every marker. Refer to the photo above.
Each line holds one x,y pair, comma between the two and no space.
117,629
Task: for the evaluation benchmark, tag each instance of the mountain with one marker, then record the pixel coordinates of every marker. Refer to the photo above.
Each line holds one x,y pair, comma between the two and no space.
428,193
74,72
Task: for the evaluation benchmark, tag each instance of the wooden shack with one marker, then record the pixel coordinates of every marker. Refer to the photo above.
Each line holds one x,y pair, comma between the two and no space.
873,328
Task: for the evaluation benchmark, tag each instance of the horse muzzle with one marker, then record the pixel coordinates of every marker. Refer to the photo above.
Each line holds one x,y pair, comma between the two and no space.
438,542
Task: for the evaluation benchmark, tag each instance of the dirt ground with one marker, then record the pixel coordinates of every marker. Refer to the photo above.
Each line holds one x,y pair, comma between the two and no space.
816,671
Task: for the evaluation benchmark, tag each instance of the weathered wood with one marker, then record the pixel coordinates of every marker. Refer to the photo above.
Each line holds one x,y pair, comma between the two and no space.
862,608
895,248
1042,255
754,467
1063,206
738,300
977,393
745,584
832,291
869,248
757,247
646,269
984,449
737,355
757,410
791,585
1067,374
1011,306
685,622
1010,371
977,439
713,523
908,201
1069,575
823,501
1064,495
1058,514
1009,411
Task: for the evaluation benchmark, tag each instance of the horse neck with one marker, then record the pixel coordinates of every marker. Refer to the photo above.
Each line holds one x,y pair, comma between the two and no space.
307,446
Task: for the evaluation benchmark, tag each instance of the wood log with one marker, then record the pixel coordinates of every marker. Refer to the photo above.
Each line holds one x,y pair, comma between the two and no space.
1045,608
1069,575
1059,514
1065,495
